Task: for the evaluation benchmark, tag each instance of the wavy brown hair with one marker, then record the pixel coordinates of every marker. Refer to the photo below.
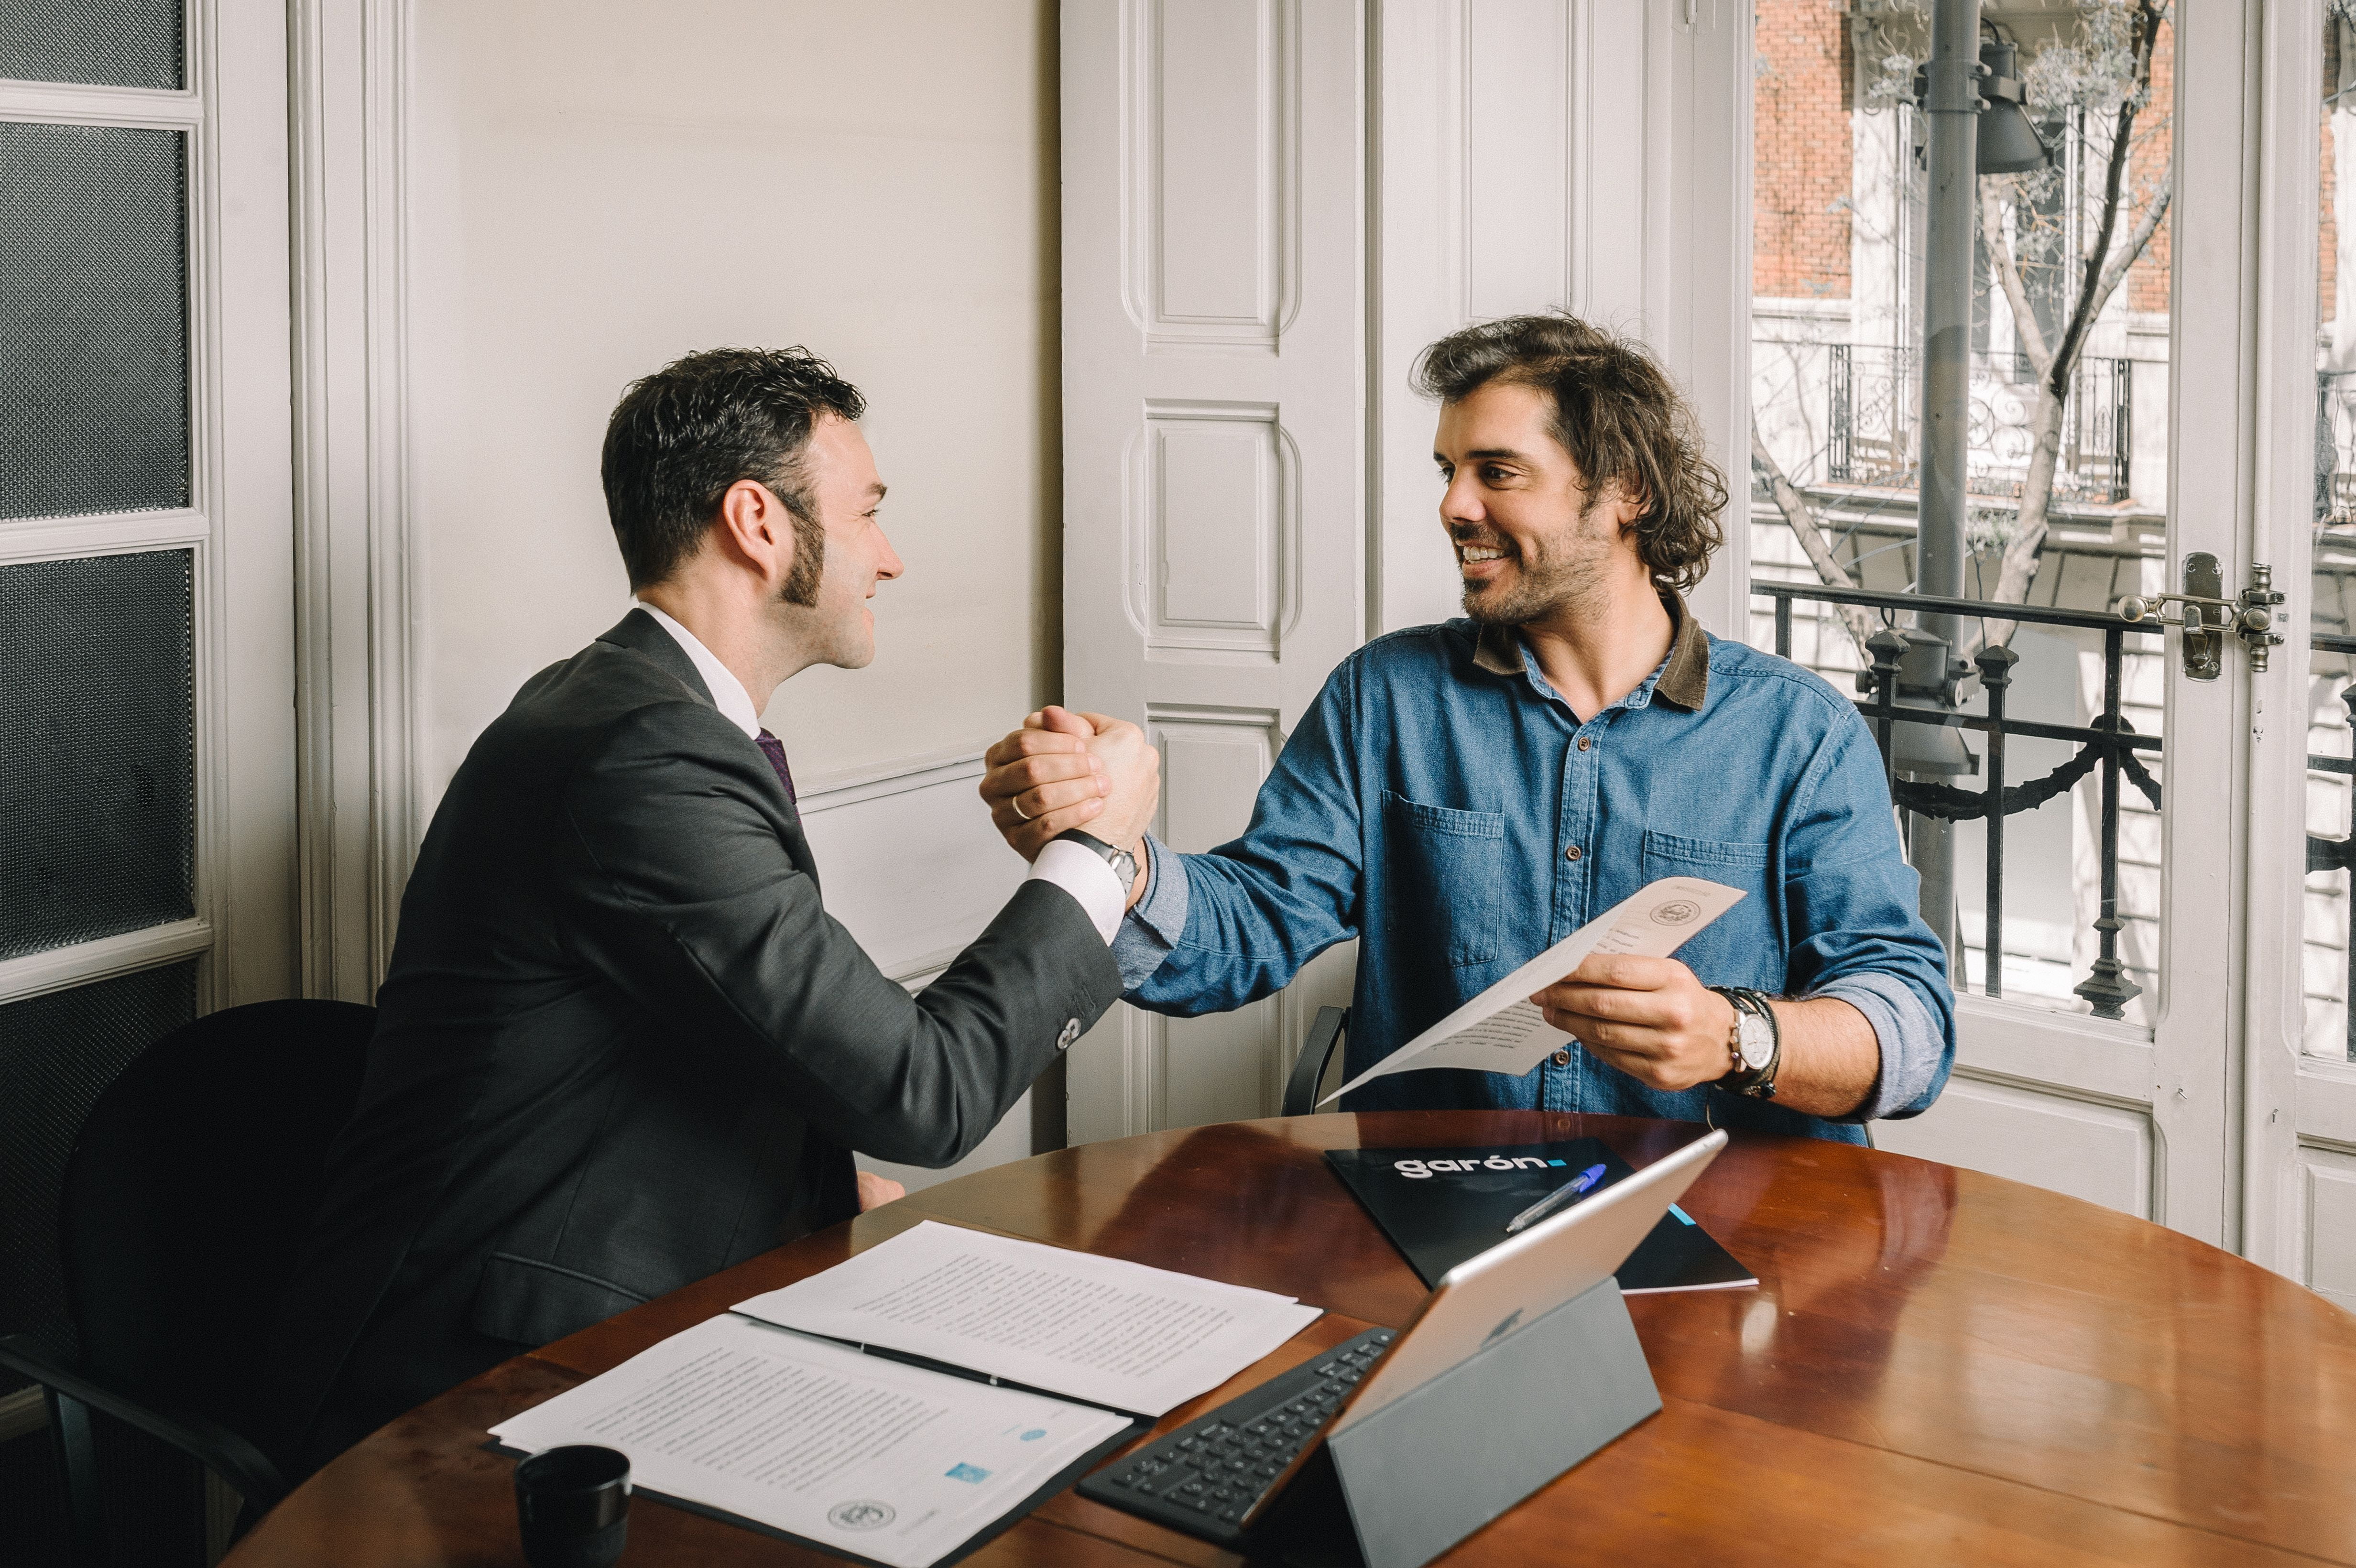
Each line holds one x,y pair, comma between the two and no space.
1615,411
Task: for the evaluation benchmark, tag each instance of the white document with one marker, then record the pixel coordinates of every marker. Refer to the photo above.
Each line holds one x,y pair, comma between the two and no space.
1501,1030
868,1455
1114,1333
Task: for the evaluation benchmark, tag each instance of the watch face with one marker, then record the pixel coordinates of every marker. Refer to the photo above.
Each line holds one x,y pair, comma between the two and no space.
1758,1042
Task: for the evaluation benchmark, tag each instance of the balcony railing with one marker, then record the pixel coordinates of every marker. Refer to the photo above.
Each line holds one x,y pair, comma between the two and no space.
2109,743
1865,399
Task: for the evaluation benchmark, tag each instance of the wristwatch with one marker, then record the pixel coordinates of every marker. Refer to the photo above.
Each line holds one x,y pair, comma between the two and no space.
1755,1042
1123,863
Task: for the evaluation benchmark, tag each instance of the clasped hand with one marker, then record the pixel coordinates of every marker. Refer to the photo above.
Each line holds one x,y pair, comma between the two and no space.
1064,770
1650,1017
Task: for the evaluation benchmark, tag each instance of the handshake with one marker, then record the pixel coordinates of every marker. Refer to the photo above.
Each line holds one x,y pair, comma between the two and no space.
1064,770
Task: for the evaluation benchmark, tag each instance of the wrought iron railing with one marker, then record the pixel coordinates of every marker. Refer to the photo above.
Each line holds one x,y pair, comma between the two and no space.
2109,743
2335,448
1862,397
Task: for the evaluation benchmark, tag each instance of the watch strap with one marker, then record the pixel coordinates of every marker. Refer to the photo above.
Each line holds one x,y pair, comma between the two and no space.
1756,1082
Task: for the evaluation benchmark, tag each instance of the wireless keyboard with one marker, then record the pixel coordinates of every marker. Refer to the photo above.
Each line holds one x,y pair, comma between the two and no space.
1206,1477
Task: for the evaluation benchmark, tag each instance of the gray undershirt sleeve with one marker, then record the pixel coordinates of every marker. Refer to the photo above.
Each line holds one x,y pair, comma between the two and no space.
1912,1043
1156,922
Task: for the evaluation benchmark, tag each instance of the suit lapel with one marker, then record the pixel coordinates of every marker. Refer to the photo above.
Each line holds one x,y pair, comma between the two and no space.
642,634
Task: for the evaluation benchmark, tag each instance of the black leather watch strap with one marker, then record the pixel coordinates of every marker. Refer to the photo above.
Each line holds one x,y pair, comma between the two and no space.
1123,863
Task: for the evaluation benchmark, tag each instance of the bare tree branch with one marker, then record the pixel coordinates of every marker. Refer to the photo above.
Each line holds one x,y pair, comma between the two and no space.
2007,267
1802,517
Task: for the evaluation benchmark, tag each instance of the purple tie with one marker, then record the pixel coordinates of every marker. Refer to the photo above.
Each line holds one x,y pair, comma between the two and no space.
775,750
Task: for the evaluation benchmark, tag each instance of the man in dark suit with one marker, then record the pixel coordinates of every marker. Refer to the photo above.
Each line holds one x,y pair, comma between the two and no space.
621,1045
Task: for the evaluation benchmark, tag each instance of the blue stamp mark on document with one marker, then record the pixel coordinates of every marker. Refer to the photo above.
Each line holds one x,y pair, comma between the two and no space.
1035,1433
972,1472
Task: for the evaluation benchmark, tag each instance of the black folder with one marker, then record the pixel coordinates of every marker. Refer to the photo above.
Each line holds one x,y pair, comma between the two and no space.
1441,1206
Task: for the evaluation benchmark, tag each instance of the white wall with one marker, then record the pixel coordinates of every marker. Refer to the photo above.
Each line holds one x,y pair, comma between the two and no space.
599,185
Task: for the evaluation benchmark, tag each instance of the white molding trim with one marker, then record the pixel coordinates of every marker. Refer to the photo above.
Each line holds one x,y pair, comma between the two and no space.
69,104
107,533
355,675
849,786
38,974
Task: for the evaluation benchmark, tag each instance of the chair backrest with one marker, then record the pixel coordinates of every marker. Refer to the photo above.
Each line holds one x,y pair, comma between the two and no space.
1325,1035
188,1193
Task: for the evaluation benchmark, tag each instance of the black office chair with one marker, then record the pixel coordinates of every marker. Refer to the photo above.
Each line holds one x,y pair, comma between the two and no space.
185,1202
1326,1036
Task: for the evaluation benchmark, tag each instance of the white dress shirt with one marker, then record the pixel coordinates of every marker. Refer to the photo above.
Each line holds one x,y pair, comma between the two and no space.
1074,868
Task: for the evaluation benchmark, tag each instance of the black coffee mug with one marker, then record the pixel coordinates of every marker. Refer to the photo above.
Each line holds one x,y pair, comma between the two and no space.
573,1505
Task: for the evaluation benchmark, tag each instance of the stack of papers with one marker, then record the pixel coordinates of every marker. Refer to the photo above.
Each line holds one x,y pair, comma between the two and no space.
771,1418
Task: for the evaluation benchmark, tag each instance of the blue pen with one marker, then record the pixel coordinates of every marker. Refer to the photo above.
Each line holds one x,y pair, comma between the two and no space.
1555,1199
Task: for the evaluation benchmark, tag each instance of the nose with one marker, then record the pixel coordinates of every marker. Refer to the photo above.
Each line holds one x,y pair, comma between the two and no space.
889,566
1459,504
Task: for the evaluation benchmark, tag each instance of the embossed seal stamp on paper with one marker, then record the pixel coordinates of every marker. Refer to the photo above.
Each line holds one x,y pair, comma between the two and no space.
862,1514
1676,912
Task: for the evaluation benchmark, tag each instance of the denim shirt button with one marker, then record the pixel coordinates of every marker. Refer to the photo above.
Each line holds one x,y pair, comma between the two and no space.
1560,1058
1586,742
1571,853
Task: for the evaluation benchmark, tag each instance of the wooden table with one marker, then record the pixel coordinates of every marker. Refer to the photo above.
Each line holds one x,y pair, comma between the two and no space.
1937,1367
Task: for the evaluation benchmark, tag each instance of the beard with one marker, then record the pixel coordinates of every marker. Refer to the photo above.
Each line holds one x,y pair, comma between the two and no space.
802,577
1560,572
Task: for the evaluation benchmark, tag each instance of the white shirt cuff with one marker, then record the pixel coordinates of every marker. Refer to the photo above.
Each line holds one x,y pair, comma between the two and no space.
1083,874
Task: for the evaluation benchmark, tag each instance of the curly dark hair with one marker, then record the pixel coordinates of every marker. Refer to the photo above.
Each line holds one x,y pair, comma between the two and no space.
680,437
1615,411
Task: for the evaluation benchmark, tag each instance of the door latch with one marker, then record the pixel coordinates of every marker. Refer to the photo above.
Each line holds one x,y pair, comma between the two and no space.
2207,615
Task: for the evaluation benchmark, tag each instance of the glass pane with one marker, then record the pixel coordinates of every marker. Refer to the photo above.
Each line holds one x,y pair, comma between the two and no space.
2065,463
2331,670
97,748
110,43
58,1052
93,319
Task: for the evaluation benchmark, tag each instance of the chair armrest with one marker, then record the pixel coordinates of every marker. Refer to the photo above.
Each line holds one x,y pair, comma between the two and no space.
232,1457
1309,1069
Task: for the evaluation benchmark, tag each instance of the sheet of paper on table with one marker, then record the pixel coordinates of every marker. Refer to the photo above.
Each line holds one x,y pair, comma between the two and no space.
870,1457
1501,1030
1101,1330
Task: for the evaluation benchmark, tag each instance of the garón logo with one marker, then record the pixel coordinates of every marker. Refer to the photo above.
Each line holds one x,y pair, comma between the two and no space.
1422,1169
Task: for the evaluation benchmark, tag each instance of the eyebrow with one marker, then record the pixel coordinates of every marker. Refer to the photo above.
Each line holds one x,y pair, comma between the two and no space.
877,491
1505,452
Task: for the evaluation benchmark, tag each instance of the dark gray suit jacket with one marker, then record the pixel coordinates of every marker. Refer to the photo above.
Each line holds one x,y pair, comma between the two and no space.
622,1046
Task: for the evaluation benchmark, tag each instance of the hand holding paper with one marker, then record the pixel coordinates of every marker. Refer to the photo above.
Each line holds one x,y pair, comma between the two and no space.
1501,1030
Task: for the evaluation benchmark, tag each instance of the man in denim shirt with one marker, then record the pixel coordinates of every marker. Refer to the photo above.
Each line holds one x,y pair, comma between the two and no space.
1462,796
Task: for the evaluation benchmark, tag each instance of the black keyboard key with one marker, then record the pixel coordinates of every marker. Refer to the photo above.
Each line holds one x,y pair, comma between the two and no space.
1207,1477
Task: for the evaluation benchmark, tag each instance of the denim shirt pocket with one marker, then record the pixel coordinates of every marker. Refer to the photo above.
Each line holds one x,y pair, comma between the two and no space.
1448,870
1744,947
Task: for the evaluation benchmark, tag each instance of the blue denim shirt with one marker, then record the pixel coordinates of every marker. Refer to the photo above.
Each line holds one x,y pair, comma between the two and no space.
1444,806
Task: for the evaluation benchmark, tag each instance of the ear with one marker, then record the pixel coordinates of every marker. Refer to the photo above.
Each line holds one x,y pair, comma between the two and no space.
755,529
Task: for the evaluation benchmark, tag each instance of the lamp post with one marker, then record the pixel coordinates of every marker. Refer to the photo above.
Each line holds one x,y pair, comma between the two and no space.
1952,98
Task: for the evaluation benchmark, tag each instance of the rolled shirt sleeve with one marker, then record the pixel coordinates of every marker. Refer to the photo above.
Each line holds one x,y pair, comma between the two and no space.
1156,921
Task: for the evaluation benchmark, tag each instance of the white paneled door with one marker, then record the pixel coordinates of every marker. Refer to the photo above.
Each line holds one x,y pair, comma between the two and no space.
1214,444
1270,208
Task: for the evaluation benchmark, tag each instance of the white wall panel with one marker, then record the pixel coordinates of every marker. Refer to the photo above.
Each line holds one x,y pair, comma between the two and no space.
2328,1227
1215,179
1214,517
2104,1154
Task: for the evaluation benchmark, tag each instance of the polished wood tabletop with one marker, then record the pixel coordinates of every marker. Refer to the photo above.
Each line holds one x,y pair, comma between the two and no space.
1937,1367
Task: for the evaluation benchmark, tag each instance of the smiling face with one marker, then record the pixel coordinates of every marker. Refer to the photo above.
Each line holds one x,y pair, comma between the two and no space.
1531,539
842,486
